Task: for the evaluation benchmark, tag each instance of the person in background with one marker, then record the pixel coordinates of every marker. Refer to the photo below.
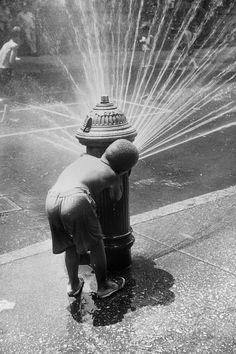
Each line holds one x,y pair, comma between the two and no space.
188,46
26,20
146,39
8,55
146,43
5,21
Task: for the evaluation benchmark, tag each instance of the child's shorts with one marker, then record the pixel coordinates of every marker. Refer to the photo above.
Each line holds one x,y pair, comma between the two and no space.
73,220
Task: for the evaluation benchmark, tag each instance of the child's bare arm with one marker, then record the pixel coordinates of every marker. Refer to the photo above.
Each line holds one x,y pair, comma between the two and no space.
116,190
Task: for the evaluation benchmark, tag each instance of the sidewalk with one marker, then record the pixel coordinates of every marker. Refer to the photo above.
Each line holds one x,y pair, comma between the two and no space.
180,294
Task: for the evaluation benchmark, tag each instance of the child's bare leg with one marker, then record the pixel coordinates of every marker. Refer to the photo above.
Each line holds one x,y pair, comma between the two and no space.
99,264
72,259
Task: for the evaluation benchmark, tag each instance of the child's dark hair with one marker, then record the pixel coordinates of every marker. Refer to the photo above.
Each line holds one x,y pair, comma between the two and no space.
121,155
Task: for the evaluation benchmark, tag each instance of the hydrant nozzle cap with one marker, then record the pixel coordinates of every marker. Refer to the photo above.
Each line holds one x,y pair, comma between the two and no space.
104,99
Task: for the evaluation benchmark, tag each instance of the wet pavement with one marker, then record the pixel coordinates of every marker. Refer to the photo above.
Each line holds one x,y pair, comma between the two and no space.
34,149
180,291
179,295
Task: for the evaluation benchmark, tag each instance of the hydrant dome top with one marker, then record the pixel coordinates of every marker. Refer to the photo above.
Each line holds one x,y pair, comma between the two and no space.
104,124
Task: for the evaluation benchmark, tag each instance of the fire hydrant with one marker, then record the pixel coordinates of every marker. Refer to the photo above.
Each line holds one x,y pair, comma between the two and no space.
104,124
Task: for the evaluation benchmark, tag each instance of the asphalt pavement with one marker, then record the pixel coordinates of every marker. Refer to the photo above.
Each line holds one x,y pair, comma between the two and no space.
36,144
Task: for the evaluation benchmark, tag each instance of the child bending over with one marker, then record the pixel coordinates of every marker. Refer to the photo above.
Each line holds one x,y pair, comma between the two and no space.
72,216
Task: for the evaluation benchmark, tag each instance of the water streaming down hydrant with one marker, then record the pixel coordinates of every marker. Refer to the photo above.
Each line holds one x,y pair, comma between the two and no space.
104,124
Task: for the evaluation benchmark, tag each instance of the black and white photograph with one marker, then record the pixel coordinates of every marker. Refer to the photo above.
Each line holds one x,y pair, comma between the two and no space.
117,176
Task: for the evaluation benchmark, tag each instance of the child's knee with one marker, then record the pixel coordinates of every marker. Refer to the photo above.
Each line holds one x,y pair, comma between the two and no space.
71,251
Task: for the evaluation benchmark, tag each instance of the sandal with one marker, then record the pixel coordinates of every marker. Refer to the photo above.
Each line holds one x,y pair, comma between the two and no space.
120,281
77,292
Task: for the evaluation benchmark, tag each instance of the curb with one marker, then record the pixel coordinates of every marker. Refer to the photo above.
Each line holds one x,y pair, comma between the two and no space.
174,208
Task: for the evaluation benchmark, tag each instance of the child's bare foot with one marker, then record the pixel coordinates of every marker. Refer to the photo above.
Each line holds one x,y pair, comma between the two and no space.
76,289
111,287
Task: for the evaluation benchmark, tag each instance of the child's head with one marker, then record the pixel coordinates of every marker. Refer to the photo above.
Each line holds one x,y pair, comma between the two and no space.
16,34
121,155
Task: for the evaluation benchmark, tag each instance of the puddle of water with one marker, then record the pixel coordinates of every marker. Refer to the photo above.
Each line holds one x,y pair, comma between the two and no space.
146,285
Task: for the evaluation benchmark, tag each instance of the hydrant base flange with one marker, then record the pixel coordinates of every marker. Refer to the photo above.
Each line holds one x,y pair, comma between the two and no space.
119,255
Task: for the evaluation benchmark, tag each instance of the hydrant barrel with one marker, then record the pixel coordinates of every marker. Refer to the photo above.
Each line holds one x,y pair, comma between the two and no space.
104,124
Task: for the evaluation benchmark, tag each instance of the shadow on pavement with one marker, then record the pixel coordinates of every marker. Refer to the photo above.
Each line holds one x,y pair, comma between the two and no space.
145,286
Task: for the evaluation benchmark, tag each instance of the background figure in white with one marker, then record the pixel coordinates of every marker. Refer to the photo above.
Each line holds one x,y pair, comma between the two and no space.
26,20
